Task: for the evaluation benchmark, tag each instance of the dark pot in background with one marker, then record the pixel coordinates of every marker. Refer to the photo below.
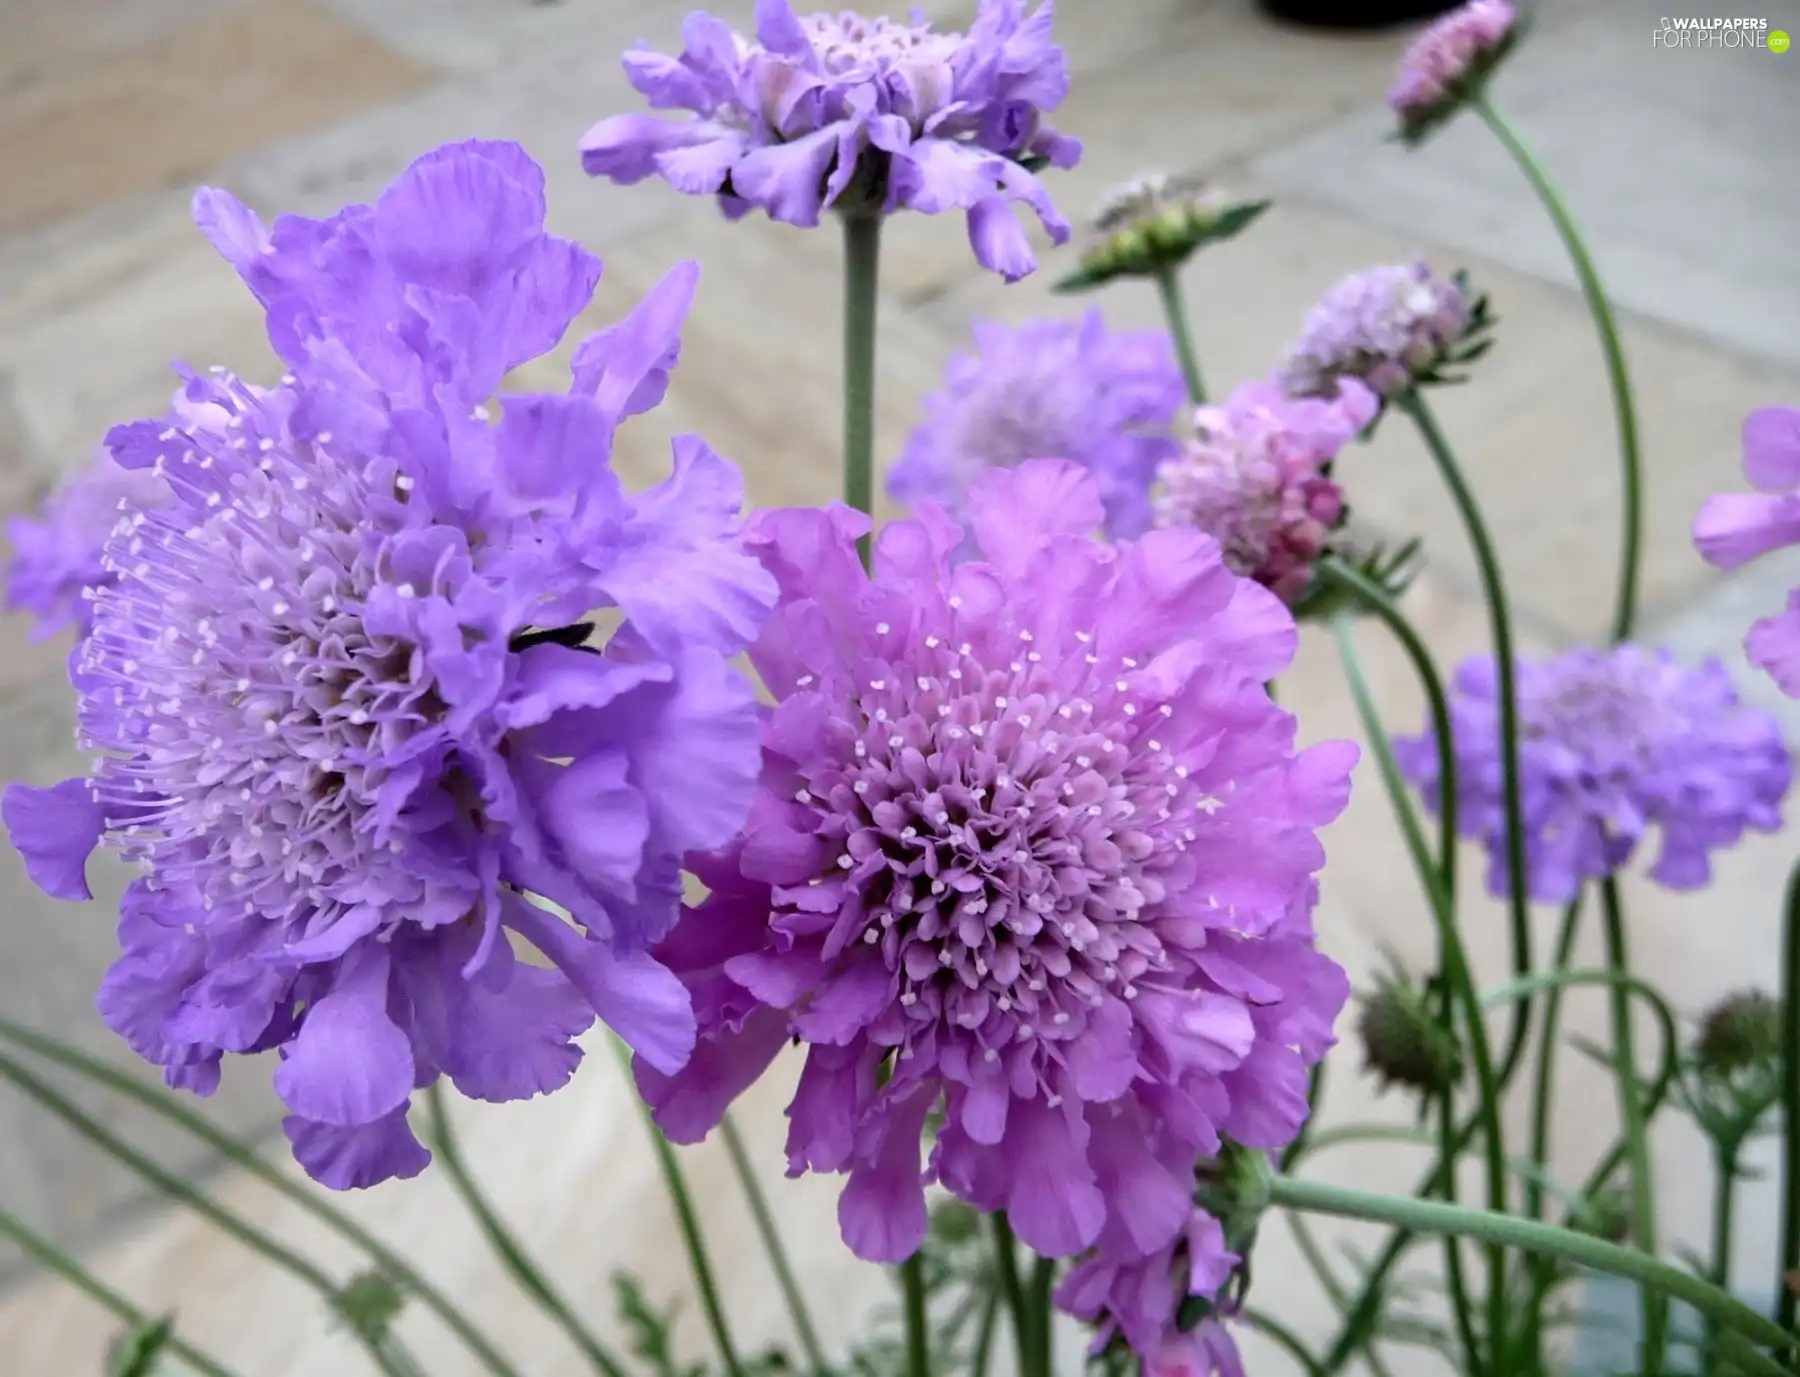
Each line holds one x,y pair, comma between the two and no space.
1354,14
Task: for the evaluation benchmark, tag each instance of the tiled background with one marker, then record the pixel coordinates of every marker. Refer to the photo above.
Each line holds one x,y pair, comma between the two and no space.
1682,166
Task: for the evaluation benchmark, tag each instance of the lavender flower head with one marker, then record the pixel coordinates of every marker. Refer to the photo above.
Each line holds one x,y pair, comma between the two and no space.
1050,389
862,114
57,554
344,721
1391,326
1447,63
1032,838
1257,478
1611,743
1139,1301
1735,528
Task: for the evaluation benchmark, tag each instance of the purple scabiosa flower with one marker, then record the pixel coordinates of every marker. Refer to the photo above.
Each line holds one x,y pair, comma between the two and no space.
1611,743
1392,326
345,720
1735,528
56,555
1448,62
1050,389
1257,479
1033,846
1140,1300
861,114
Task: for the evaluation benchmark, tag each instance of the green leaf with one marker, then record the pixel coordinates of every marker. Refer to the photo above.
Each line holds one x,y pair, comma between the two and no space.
139,1352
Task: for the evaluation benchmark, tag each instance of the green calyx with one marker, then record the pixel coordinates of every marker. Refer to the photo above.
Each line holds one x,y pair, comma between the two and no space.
1153,226
1404,1040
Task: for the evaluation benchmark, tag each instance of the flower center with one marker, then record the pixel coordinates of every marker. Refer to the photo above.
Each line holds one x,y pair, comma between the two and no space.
252,709
850,45
1004,833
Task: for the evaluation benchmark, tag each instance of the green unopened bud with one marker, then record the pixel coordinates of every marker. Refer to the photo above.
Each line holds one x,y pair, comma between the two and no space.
1151,225
1605,1216
953,1222
369,1303
1740,1033
1404,1041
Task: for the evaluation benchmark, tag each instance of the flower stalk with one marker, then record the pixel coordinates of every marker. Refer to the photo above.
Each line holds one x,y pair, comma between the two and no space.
1168,289
1787,1280
1611,348
862,299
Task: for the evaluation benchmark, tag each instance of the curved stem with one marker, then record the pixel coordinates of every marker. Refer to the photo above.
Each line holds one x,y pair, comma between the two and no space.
918,1335
191,1198
1493,589
1168,287
691,1236
1284,1339
52,1259
1725,1181
1631,1112
1043,1284
1624,411
507,1248
862,299
772,1244
1006,1263
1456,975
1510,1231
171,1109
1788,1275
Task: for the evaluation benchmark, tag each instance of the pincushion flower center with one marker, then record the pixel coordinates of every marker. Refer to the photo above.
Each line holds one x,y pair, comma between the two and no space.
256,772
1004,832
849,44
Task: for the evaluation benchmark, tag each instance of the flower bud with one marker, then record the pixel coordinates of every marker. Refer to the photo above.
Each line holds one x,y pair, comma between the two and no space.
1739,1033
1152,225
1404,1041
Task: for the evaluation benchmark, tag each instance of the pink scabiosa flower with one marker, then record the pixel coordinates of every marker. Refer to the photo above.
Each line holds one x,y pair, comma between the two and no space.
866,115
56,555
1735,528
1394,327
1447,64
1050,389
344,716
1033,847
1141,1301
1257,478
1611,743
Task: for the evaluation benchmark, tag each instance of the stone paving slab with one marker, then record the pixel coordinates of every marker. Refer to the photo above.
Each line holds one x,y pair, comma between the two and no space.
1665,157
159,113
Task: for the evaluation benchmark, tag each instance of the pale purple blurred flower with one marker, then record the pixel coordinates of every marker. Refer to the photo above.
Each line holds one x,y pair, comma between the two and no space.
1390,326
1445,63
1050,389
1032,845
1257,478
862,114
56,555
339,717
1735,528
1611,744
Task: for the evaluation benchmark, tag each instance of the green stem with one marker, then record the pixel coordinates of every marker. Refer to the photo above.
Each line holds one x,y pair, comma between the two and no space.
1043,1284
1624,411
1168,287
1631,1112
1493,589
1788,1275
862,298
772,1244
918,1333
691,1236
1725,1179
1284,1339
1510,1231
1006,1263
188,1196
507,1248
48,1256
1456,969
1544,1082
171,1109
984,1334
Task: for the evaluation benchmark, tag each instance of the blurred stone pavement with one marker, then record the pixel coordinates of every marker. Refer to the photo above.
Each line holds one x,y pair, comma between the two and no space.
1681,165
